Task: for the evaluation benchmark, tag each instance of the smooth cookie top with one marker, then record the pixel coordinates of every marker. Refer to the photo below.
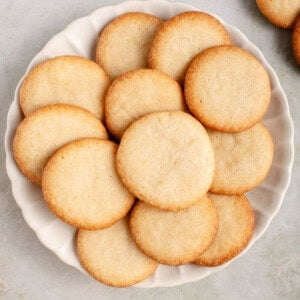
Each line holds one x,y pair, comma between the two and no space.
69,80
181,38
81,185
282,13
124,43
166,160
174,238
236,225
243,159
45,130
227,88
111,256
137,93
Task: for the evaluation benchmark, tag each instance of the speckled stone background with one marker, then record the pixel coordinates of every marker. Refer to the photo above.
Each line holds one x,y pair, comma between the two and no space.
270,270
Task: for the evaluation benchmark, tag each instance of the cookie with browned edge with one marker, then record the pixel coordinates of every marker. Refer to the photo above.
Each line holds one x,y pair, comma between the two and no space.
111,256
137,93
81,185
282,13
124,43
236,225
174,238
296,40
243,159
226,88
181,38
166,160
45,130
69,80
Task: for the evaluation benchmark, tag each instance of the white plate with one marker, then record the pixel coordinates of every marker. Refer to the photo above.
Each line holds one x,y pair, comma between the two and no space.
79,38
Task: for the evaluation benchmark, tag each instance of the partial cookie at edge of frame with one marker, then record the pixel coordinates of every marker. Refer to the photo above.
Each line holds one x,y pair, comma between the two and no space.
296,40
281,13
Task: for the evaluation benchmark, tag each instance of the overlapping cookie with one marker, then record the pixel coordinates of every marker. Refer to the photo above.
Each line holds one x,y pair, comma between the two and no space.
174,238
69,80
138,93
174,146
181,38
81,185
166,160
111,256
124,43
47,129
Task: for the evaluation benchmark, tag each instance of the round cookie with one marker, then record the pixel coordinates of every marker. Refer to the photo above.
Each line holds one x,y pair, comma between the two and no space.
174,238
296,40
111,256
81,185
227,89
181,38
236,224
282,13
166,160
124,43
69,80
45,130
243,159
137,93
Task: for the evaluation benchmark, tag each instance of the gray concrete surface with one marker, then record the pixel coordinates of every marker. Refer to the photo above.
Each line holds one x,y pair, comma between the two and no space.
270,270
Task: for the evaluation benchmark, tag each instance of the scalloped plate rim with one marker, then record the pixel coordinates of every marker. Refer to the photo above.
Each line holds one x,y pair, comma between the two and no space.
121,6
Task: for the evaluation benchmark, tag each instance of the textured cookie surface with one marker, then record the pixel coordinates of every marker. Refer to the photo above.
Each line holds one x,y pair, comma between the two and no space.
242,159
69,80
111,256
124,43
181,38
174,238
236,223
137,93
227,88
45,130
166,159
296,40
81,185
282,13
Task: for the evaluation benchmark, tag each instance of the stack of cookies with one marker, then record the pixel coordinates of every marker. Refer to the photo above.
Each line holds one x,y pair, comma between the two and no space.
149,150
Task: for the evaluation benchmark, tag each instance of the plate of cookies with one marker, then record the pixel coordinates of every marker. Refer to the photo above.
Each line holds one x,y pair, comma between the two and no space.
149,144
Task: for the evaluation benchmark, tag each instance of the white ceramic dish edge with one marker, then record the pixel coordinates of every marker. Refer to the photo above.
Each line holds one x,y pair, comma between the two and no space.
64,249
